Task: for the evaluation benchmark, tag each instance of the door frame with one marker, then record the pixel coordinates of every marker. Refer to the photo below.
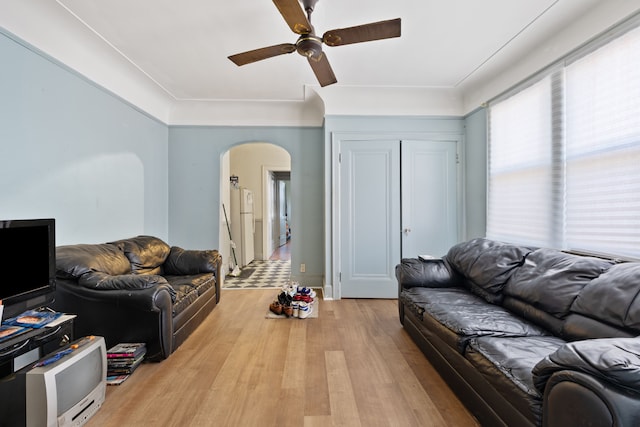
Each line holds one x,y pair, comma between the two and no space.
333,287
266,207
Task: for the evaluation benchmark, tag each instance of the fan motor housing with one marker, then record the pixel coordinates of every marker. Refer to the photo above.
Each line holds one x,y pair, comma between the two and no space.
310,46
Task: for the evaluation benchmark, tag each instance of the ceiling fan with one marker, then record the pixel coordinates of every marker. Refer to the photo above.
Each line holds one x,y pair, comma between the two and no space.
310,45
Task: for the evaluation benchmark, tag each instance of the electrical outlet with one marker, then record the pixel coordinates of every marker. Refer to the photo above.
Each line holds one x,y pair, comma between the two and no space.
303,268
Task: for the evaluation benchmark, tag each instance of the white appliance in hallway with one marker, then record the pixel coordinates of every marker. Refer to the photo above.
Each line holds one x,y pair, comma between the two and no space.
242,224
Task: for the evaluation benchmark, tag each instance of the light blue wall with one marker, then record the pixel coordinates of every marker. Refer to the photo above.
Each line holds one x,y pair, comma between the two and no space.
473,128
476,173
383,127
72,151
195,155
400,126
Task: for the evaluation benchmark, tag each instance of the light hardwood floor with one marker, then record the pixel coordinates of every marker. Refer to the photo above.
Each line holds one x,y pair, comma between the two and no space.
353,366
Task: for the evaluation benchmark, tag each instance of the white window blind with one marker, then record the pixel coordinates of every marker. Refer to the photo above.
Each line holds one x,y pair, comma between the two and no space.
564,152
603,148
519,194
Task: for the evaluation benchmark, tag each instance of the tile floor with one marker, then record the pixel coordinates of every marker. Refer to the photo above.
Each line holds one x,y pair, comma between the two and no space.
266,274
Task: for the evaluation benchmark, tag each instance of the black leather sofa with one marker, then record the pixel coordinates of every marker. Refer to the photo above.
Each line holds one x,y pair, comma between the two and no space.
137,290
529,336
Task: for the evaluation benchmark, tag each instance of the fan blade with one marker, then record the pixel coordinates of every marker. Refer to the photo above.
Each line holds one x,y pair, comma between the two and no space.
322,69
292,12
363,33
263,53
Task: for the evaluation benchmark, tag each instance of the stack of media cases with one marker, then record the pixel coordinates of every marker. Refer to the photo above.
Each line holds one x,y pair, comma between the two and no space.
122,360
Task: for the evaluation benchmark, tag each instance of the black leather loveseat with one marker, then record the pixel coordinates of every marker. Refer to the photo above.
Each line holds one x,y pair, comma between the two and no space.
137,290
529,336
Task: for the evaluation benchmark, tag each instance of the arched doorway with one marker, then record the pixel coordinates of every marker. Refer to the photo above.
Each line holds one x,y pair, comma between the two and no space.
263,170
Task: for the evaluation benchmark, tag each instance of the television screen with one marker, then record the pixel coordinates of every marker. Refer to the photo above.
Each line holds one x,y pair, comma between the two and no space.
27,264
79,379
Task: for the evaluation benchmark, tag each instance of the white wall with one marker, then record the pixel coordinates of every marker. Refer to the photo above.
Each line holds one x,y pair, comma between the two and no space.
607,14
247,161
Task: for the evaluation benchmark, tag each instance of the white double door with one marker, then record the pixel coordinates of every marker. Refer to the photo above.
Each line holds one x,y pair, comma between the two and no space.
397,199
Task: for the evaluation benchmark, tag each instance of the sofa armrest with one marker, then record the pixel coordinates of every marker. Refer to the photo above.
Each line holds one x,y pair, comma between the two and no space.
615,360
573,398
150,299
598,378
429,273
126,282
121,315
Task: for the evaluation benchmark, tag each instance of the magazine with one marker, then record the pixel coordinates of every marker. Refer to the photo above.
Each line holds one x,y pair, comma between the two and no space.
8,331
33,318
127,350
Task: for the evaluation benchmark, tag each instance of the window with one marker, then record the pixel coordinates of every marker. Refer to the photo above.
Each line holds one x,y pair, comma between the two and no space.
520,164
564,153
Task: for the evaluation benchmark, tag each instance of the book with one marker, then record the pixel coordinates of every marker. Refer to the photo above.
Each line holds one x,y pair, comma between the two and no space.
116,379
116,365
124,362
120,371
126,350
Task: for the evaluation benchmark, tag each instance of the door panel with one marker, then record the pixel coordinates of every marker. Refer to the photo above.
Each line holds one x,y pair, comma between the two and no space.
429,197
369,218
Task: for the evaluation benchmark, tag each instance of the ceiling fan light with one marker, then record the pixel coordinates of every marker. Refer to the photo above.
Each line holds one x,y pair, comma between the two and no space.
310,46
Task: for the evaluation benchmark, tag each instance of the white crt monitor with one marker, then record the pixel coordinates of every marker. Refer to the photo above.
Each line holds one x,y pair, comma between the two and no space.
67,391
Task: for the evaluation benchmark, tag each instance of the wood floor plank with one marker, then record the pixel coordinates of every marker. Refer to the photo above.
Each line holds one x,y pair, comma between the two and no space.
344,410
353,365
295,362
319,339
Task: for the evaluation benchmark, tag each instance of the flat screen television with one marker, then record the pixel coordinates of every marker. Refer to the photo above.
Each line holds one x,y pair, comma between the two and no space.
27,264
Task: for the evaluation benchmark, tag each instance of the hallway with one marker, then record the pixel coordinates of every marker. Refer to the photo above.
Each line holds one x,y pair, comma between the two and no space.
283,253
258,274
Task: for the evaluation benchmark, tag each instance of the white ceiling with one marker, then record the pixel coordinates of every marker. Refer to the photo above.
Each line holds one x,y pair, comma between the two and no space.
183,46
180,48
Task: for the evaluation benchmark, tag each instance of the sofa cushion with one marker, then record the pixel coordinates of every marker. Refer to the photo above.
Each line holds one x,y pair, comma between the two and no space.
200,282
465,315
145,253
181,261
487,263
614,297
506,363
535,315
579,327
414,299
551,280
73,261
186,295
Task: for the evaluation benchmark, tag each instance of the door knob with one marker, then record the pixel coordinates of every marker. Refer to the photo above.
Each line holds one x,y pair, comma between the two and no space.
407,230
